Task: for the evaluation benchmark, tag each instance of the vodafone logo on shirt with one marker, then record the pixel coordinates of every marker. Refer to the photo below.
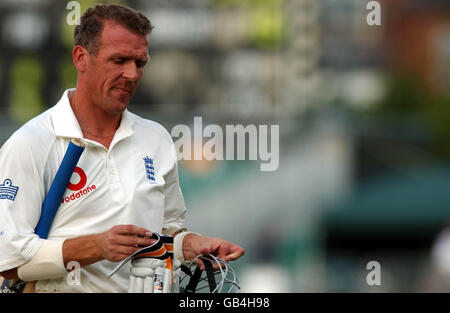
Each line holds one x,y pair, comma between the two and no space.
78,188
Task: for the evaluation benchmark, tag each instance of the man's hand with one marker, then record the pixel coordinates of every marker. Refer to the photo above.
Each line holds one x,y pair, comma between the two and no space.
113,245
123,240
194,245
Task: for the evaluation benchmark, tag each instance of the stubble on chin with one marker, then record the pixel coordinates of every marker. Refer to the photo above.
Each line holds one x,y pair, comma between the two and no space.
116,105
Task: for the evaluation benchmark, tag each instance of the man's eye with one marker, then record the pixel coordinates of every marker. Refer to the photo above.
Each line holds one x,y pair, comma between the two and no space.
118,61
140,64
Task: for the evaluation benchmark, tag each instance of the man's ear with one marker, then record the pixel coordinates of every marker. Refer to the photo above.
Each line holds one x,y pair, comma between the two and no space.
80,58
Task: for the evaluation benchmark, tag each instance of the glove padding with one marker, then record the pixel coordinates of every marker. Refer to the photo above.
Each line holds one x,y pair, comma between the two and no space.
151,275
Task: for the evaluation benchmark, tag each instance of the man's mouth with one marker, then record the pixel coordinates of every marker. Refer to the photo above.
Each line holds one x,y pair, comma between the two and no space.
123,90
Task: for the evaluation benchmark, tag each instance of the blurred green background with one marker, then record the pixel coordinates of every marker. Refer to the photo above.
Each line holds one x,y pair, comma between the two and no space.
364,116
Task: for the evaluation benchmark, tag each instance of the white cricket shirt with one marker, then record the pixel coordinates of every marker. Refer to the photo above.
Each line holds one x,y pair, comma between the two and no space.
135,181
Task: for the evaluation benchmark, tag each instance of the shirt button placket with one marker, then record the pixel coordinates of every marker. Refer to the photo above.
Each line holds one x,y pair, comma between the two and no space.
115,185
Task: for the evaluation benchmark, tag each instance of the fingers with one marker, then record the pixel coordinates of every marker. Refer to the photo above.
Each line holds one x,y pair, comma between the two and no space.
131,230
200,264
236,254
125,250
223,250
123,240
205,251
130,235
133,240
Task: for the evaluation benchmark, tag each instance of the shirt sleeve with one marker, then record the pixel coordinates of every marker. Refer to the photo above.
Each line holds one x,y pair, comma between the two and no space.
174,206
21,195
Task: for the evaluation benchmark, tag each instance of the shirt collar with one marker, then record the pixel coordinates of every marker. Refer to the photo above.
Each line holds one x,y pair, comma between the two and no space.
65,123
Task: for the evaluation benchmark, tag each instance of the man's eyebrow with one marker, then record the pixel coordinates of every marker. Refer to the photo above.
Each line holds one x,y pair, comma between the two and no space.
120,55
128,57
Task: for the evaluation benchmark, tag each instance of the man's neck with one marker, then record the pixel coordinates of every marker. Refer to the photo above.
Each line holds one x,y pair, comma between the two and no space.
95,124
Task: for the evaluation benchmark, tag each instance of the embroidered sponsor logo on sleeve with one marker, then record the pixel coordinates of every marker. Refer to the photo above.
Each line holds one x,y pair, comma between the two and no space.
8,191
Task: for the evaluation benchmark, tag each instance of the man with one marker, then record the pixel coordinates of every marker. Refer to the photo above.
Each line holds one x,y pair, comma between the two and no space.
115,206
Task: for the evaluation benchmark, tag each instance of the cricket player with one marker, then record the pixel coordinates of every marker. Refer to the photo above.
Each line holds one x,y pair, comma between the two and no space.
126,184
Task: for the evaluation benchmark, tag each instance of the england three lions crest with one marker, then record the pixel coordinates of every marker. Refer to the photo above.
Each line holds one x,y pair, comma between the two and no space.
149,169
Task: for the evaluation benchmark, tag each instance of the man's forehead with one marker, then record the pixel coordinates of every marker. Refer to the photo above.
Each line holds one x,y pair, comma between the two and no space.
117,37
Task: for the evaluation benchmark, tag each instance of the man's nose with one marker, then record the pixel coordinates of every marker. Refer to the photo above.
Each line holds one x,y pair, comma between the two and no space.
130,71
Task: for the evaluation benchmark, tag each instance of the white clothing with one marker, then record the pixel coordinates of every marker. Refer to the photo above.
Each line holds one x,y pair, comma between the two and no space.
135,181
